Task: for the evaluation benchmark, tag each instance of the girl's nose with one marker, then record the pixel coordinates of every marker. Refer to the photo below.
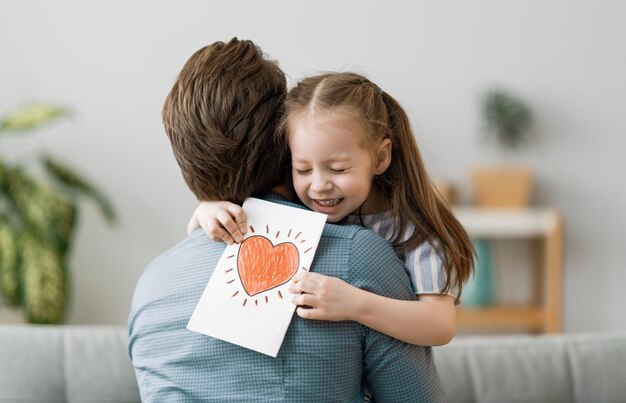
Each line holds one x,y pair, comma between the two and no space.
320,183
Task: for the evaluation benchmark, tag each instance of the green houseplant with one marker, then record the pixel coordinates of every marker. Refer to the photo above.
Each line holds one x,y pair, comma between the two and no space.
507,121
38,215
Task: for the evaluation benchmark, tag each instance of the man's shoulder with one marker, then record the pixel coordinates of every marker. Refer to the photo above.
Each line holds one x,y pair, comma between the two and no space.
194,245
375,267
182,267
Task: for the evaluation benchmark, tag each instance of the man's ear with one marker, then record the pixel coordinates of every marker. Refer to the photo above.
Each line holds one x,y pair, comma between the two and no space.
383,157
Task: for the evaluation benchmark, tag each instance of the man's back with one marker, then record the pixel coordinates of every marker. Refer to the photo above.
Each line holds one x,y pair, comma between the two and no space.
318,361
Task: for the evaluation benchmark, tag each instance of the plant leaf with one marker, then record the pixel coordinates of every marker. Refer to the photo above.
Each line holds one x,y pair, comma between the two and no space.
3,170
44,280
9,263
45,212
70,178
31,116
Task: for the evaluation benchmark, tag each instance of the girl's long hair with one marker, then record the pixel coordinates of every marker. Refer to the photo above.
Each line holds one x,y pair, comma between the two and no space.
411,195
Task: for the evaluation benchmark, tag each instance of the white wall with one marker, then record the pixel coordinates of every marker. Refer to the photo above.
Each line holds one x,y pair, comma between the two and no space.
114,62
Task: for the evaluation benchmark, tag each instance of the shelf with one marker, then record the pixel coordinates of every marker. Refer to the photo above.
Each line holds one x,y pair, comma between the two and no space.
489,223
499,317
544,228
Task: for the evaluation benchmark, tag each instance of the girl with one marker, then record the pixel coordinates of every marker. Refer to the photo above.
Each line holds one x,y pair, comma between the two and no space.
354,158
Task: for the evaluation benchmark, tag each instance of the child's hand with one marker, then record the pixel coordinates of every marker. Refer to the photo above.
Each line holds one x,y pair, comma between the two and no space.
220,220
329,298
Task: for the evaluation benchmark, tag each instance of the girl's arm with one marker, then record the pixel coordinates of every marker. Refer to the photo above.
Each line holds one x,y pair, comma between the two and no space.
220,220
431,321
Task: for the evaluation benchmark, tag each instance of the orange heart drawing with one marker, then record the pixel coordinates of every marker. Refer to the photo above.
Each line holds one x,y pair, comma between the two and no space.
263,266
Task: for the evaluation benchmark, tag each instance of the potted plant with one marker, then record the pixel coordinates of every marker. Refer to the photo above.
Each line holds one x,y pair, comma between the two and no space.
507,122
38,215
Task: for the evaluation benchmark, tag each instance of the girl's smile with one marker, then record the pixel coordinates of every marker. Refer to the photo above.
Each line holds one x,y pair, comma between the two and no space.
328,203
327,206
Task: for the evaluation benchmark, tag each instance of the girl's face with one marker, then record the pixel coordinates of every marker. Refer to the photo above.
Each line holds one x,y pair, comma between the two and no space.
332,168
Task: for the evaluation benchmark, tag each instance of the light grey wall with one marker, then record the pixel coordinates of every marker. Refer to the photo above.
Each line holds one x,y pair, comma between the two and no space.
114,61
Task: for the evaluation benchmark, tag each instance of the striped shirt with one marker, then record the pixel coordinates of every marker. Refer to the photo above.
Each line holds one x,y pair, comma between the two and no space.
423,263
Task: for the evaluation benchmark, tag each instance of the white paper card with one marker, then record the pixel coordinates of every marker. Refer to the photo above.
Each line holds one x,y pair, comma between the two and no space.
246,301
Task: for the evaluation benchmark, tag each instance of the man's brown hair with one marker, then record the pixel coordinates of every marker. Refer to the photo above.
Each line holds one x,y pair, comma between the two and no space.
221,117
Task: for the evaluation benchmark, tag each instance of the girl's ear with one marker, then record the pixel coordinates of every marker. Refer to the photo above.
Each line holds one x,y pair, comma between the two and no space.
383,157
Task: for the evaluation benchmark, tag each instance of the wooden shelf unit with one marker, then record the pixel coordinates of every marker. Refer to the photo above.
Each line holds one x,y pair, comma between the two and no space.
544,228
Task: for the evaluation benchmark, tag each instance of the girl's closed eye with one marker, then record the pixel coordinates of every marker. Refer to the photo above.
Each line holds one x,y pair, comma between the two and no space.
338,170
302,171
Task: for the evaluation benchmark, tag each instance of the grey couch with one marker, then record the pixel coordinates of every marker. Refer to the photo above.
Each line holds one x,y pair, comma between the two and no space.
576,368
90,364
65,364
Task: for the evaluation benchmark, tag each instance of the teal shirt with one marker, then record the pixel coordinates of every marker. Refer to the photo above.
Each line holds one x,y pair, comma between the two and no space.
319,361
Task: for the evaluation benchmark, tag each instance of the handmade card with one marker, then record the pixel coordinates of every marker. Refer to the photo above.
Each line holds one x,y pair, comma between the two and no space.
246,301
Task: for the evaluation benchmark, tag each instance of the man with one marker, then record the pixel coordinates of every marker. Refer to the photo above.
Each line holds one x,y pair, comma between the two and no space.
221,118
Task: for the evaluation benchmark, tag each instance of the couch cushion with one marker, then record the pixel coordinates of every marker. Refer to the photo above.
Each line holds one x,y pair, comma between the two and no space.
547,368
65,364
31,364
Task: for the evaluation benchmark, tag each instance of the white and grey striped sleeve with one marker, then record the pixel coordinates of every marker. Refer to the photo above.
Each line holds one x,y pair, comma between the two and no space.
426,270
